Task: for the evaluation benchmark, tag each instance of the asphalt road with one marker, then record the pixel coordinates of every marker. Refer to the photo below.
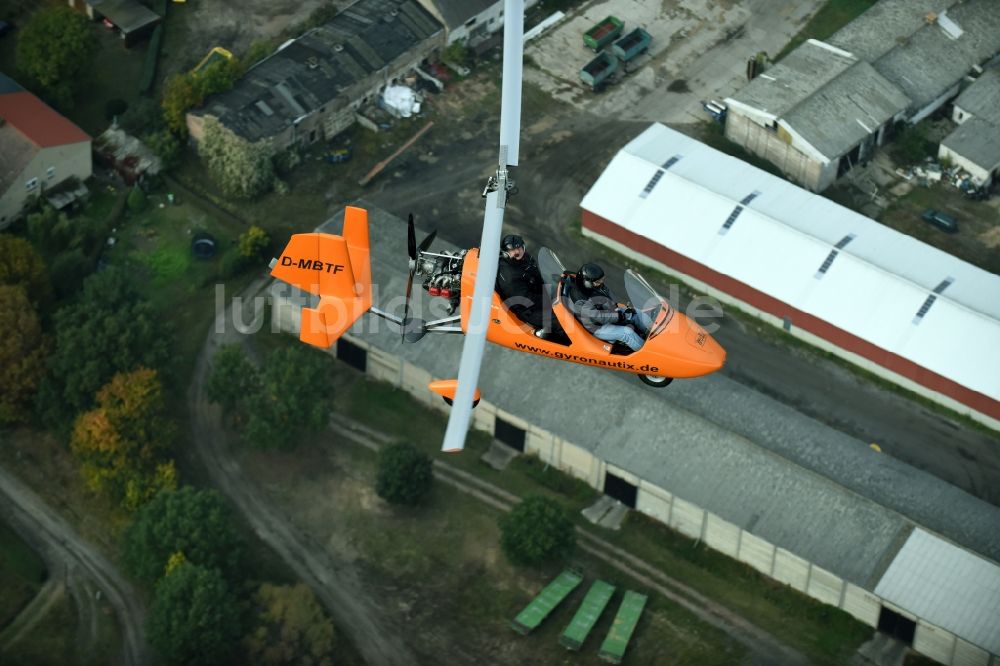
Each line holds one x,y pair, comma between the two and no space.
50,535
564,152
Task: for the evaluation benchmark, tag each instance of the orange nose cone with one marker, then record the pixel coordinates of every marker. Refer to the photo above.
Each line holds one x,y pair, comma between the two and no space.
704,352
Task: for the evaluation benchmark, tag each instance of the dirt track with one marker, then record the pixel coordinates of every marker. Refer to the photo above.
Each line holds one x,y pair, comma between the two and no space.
71,558
336,582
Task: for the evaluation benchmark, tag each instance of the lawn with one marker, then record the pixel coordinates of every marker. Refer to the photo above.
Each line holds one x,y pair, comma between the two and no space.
22,573
825,634
831,17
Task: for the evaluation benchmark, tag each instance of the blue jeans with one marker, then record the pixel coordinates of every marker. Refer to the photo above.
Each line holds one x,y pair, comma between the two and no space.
625,333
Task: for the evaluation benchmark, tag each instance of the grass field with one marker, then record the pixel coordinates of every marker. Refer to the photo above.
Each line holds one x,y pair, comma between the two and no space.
825,634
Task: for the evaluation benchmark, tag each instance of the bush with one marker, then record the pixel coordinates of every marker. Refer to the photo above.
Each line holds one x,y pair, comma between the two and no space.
254,243
404,474
232,264
536,531
912,145
136,200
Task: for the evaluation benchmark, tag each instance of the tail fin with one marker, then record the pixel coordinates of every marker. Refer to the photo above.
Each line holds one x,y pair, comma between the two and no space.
335,268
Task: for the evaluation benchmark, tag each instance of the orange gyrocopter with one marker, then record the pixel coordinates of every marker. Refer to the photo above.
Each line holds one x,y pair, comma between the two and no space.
337,269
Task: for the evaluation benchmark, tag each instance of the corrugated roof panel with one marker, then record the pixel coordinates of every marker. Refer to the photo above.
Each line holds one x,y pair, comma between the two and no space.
947,586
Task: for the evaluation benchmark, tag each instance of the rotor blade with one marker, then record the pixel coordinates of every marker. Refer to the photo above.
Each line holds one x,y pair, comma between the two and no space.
475,335
426,243
406,306
510,98
411,239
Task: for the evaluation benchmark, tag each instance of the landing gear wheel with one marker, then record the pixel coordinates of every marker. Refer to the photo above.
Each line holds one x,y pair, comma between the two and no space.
657,382
451,402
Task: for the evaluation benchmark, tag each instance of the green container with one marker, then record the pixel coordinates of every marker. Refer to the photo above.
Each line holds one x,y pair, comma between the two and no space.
603,33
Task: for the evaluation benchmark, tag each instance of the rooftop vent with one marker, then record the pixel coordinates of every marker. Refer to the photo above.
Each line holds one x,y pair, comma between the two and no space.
338,47
312,62
930,18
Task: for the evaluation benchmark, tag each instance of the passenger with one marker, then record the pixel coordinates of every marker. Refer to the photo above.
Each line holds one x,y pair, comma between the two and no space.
519,284
596,308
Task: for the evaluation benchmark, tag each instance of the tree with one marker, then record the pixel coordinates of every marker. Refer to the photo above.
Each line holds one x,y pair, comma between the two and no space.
233,378
179,94
22,354
194,617
108,330
536,531
404,474
166,146
20,264
293,400
122,444
254,242
193,522
242,169
290,628
56,47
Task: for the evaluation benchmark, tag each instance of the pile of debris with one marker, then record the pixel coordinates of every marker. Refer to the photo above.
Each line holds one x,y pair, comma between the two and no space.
126,155
932,171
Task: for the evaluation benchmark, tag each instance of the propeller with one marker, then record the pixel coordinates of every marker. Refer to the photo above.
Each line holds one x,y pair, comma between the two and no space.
411,250
489,248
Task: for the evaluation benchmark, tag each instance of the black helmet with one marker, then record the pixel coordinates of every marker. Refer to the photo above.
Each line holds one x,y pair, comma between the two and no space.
511,241
589,274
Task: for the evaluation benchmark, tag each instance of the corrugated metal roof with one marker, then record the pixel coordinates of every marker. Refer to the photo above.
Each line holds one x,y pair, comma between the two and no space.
888,23
946,586
977,140
982,98
873,290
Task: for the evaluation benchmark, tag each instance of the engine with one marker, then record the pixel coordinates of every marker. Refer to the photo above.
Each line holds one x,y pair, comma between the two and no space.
443,274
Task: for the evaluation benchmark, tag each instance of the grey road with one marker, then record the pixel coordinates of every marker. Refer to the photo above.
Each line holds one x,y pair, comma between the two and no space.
60,544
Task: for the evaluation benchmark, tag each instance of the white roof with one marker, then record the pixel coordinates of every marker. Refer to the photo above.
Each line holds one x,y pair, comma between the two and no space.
876,287
948,587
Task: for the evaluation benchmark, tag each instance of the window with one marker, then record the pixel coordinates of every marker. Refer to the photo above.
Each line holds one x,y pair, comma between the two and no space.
31,184
50,173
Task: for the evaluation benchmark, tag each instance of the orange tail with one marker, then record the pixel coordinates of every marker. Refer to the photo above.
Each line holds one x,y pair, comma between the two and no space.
335,268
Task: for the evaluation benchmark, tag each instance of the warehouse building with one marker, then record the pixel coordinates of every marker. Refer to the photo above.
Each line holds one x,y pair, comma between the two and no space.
975,144
825,107
835,278
310,89
898,549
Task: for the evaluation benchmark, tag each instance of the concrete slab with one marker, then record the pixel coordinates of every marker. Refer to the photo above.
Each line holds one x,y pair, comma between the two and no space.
499,455
613,519
881,650
596,511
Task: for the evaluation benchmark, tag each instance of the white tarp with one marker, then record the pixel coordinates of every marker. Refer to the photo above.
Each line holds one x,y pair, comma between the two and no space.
401,101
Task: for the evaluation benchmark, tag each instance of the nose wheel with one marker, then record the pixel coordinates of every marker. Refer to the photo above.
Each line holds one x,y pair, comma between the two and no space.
654,381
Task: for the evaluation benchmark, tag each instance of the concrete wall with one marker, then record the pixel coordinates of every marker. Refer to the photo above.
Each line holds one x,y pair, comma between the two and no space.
660,504
776,147
48,168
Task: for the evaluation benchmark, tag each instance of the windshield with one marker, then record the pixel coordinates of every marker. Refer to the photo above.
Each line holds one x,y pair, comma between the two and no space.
644,297
551,269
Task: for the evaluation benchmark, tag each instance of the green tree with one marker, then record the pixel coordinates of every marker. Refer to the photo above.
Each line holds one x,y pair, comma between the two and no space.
536,531
254,242
242,169
196,523
22,354
404,474
290,628
194,618
108,330
166,146
56,47
20,264
294,400
233,379
179,94
122,444
69,270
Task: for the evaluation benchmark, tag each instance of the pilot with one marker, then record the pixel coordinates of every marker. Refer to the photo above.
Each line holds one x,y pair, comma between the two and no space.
596,308
519,284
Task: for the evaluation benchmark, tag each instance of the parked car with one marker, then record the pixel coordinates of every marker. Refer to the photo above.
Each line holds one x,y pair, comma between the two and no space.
5,27
942,221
